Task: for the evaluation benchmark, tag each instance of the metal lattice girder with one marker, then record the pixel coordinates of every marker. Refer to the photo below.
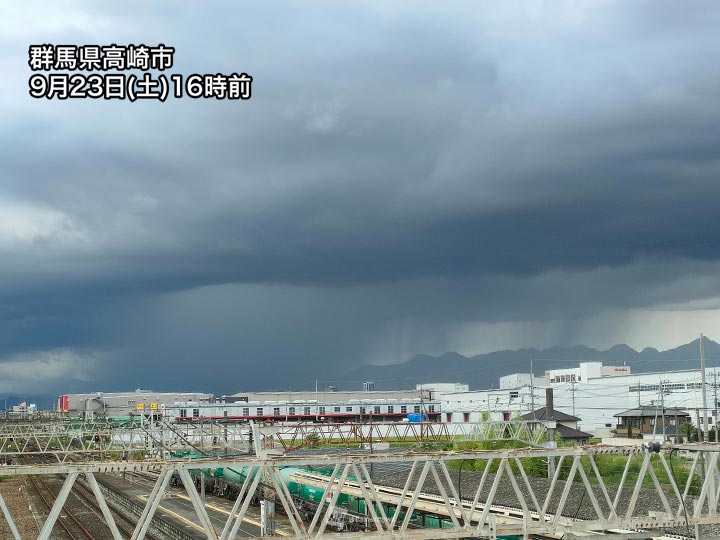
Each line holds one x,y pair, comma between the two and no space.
298,435
433,492
95,438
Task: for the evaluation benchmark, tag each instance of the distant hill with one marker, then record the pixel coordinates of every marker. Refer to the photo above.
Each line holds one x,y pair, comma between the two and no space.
484,370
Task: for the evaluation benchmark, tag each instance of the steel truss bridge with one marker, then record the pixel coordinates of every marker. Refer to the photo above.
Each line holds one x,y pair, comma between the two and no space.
71,438
543,512
298,435
76,438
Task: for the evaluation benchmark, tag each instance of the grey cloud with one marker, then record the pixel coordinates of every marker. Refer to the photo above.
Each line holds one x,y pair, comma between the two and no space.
396,168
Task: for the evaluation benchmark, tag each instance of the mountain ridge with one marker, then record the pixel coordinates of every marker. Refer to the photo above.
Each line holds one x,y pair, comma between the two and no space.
483,370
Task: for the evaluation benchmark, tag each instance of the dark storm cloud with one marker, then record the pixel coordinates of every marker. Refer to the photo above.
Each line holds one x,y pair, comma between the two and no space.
398,167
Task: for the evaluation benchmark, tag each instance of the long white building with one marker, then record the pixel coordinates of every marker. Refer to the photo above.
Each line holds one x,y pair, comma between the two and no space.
598,399
592,392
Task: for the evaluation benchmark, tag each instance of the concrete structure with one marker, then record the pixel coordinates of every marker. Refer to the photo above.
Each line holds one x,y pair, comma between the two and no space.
25,408
598,400
584,372
442,388
595,395
518,380
124,403
495,405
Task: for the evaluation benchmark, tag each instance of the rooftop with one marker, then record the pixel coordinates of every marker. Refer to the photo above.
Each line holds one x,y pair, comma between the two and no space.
652,410
559,416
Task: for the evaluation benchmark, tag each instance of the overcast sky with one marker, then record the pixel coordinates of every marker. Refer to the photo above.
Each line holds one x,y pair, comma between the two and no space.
407,178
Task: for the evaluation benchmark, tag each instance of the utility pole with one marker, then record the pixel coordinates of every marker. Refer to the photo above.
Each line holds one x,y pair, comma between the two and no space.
550,422
572,389
715,410
702,461
532,388
706,432
662,404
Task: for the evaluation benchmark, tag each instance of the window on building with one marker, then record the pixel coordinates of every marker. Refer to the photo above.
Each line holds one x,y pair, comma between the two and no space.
709,420
183,413
291,410
416,408
246,411
131,401
431,408
259,411
276,411
572,378
376,409
321,410
391,409
466,417
362,410
306,410
336,409
403,409
636,422
562,378
514,394
348,409
196,412
449,416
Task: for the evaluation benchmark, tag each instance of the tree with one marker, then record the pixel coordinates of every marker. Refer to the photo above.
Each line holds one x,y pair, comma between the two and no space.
688,431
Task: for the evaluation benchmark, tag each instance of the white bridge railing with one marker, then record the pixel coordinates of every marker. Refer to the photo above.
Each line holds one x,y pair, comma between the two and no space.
647,475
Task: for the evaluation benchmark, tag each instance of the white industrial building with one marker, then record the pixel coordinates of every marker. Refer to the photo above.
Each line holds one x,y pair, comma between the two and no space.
518,380
584,372
590,391
442,388
598,399
143,402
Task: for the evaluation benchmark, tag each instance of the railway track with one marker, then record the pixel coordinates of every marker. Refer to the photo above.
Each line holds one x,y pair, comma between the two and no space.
72,527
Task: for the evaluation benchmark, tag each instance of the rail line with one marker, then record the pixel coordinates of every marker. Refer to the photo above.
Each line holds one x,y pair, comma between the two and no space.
43,490
125,524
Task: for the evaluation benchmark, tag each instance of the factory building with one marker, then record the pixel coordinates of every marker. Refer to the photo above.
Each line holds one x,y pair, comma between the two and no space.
441,388
592,392
295,409
502,404
144,402
322,396
599,399
584,373
328,405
